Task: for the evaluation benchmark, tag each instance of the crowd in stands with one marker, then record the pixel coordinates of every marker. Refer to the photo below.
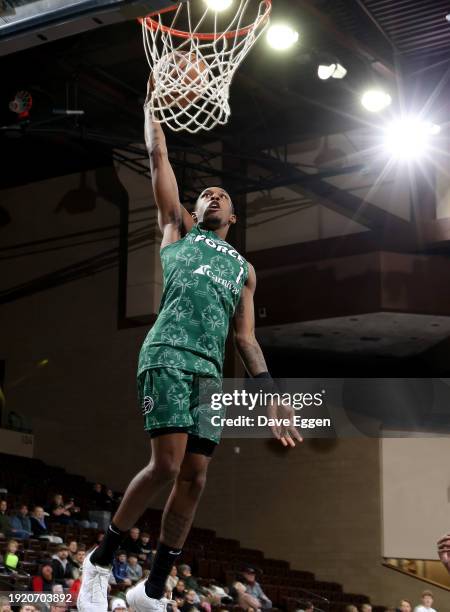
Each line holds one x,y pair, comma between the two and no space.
58,566
404,605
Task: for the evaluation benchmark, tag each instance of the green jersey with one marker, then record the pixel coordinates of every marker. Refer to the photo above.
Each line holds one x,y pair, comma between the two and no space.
203,278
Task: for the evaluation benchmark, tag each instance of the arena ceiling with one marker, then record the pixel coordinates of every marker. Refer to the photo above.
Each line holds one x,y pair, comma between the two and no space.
275,98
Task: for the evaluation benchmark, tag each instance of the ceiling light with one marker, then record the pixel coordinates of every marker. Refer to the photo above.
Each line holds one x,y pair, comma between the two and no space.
281,36
375,100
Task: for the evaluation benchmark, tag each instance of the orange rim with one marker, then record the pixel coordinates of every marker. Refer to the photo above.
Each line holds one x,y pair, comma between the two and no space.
154,25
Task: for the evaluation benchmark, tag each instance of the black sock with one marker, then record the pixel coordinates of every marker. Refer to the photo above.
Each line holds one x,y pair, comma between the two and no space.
104,554
165,558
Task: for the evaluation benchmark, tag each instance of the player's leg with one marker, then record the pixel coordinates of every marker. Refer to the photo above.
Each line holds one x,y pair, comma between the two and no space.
177,519
187,490
166,457
167,454
164,399
183,500
179,513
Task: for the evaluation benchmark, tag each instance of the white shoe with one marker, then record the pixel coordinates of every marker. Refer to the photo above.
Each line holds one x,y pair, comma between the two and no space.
138,599
93,595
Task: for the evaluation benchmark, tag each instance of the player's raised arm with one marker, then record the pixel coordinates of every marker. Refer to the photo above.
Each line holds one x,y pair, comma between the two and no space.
173,219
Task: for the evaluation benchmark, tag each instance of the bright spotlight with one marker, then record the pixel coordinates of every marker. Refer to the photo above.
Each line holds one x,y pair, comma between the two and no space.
334,71
434,128
340,72
376,100
409,137
324,72
218,5
281,37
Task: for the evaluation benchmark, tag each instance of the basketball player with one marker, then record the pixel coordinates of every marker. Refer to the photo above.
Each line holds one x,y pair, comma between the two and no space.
206,283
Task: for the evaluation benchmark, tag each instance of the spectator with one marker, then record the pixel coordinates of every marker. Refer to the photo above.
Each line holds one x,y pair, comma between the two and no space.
308,607
405,606
100,537
59,511
20,523
190,601
132,543
205,604
254,588
62,571
120,569
134,570
39,526
5,606
11,556
68,513
172,579
244,599
73,548
365,607
118,604
44,582
5,522
27,608
58,607
145,554
351,608
75,588
427,603
76,563
444,551
109,501
179,600
218,594
98,497
185,574
179,590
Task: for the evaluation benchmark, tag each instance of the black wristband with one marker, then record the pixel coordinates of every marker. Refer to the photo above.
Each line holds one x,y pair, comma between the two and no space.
266,382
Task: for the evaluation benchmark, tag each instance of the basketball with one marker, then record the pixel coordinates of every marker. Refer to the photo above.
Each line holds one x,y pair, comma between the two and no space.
179,78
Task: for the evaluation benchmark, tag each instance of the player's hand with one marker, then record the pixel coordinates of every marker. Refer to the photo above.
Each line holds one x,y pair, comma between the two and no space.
150,87
444,551
285,433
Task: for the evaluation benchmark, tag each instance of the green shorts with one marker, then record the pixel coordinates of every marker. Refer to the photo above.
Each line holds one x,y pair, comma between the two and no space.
173,398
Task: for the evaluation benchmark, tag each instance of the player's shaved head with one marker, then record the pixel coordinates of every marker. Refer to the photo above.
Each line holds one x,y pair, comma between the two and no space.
214,209
218,190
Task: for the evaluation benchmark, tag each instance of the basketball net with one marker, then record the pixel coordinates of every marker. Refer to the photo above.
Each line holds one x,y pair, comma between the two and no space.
192,69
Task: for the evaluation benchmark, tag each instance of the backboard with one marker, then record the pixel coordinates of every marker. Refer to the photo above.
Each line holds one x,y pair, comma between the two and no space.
27,23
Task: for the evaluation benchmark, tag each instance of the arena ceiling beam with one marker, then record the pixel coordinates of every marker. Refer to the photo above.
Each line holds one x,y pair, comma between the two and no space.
341,201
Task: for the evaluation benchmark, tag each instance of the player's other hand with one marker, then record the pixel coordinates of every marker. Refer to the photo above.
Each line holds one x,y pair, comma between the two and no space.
283,428
444,550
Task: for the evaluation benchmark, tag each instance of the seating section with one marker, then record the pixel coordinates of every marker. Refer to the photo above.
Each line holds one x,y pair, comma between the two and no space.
211,557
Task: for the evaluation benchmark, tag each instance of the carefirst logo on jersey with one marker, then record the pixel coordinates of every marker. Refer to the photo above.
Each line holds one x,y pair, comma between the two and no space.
220,248
205,270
